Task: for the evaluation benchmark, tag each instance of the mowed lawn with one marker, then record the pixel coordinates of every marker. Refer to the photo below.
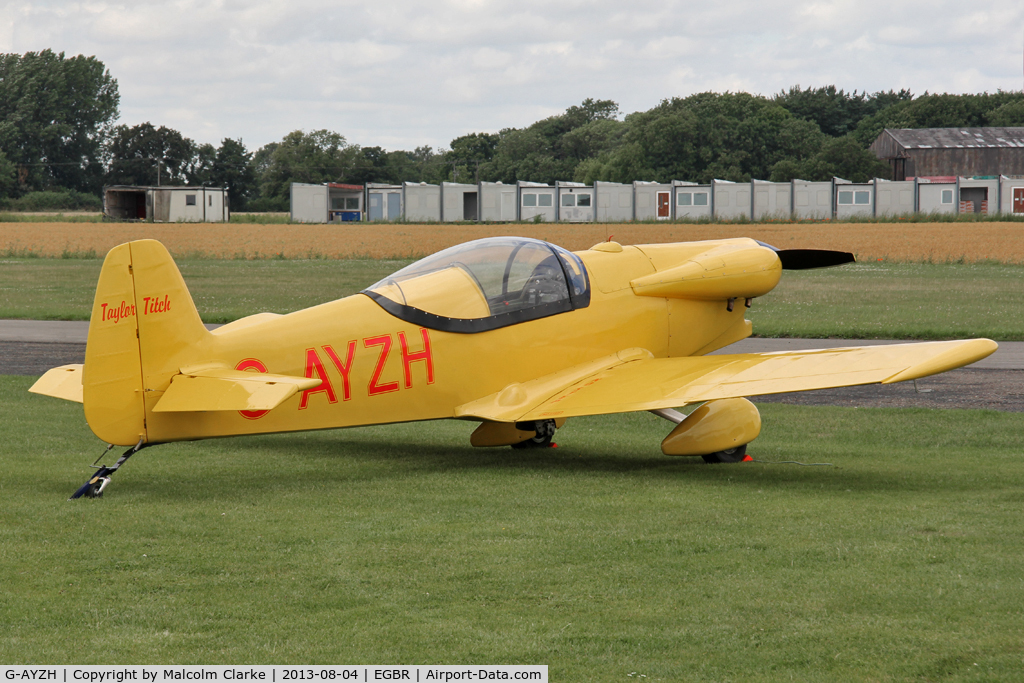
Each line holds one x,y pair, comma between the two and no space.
602,558
866,300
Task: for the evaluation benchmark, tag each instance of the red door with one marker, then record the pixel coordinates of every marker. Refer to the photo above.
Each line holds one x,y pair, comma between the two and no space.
664,205
1018,200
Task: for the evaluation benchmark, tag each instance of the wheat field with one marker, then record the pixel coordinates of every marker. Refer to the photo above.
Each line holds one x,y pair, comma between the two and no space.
901,242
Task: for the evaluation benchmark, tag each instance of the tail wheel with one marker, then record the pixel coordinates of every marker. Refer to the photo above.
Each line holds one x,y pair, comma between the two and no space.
729,455
545,431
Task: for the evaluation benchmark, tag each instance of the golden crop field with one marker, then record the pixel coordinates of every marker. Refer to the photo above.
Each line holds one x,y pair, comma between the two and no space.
935,242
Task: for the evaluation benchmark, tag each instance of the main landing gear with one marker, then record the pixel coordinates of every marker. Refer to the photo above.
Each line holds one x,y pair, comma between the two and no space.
99,481
545,431
738,454
727,425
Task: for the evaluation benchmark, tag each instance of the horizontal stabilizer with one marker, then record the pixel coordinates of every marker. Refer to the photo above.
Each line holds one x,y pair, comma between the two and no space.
64,382
223,389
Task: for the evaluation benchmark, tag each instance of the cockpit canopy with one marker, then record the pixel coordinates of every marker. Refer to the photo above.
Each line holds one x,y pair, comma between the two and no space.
485,284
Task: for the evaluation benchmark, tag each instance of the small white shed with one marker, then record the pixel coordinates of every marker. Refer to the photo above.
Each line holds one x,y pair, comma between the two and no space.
497,202
1011,195
894,197
692,201
326,203
308,203
812,199
422,202
854,199
772,200
536,202
614,201
978,195
575,202
166,204
652,200
345,202
383,202
732,200
459,202
936,197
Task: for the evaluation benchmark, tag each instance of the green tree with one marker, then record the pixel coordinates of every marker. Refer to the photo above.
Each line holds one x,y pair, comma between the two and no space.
200,168
841,157
234,170
521,154
370,165
147,155
54,114
8,177
552,148
429,165
1009,114
834,111
316,157
467,153
732,136
940,111
590,140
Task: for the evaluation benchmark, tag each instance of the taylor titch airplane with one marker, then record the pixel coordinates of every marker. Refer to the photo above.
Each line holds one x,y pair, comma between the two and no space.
513,333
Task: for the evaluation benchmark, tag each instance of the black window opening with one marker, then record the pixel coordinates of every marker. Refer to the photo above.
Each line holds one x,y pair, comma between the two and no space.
484,285
190,200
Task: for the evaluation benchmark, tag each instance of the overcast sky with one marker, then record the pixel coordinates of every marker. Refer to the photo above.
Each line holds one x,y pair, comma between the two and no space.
406,73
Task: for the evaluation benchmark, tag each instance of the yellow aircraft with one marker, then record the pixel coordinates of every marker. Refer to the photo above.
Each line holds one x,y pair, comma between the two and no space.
515,334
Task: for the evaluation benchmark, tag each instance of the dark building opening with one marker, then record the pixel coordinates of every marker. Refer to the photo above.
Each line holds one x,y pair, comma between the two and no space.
973,200
469,207
126,205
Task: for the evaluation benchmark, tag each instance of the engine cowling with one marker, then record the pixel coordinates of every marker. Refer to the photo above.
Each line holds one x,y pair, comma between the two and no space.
715,426
736,270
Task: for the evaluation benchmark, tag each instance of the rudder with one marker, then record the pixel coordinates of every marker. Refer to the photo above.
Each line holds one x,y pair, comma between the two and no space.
144,327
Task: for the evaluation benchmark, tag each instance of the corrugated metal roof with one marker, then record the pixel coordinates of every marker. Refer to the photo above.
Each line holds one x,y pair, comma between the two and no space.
957,138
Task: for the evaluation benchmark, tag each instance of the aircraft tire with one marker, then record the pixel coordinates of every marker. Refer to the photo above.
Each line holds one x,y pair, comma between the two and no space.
535,442
729,455
542,439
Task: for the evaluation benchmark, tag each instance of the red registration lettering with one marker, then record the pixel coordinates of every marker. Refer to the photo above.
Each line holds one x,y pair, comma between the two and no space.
343,368
252,364
409,358
315,367
375,388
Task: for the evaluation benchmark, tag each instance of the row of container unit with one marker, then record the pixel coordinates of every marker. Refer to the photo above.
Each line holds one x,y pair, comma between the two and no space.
165,204
609,202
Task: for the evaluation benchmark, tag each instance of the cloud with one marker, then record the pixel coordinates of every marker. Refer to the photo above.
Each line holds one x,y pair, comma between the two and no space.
401,74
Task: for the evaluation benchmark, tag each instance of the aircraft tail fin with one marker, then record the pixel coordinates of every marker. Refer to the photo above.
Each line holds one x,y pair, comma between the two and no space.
144,327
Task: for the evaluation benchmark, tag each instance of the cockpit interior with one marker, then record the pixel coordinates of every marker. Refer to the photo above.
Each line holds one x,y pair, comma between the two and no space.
485,284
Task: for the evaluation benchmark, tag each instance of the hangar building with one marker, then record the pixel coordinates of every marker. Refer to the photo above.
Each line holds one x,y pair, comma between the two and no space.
927,152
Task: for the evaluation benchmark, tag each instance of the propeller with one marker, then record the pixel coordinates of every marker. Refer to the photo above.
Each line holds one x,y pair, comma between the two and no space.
802,259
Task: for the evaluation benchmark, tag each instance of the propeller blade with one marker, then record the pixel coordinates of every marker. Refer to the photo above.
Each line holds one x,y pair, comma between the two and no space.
802,259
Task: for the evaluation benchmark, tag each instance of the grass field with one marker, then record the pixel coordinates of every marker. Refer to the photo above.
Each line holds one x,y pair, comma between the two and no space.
940,242
861,301
601,558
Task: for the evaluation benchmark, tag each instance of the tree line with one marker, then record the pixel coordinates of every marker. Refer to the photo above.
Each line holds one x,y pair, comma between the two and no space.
58,134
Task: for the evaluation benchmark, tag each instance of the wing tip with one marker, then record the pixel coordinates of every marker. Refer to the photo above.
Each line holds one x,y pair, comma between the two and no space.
965,352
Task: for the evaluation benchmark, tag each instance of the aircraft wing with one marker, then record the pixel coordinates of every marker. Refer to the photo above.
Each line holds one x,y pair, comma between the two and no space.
222,389
633,380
